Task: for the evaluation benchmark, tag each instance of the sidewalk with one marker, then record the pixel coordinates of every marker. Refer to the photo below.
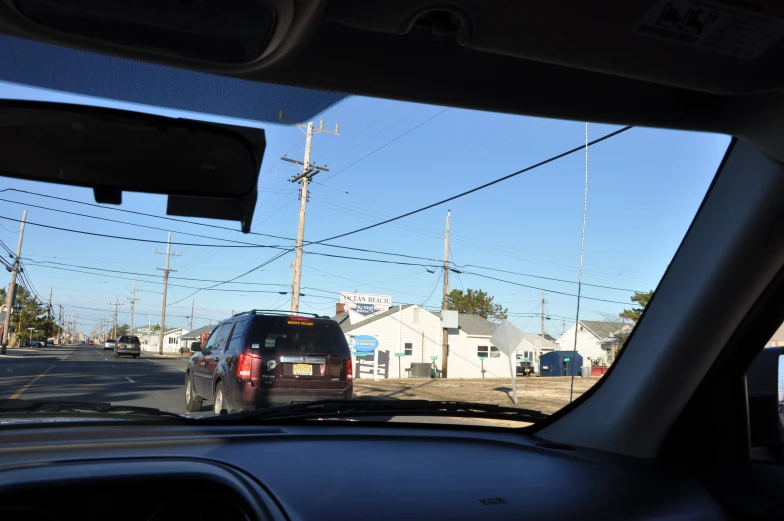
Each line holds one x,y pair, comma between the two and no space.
166,355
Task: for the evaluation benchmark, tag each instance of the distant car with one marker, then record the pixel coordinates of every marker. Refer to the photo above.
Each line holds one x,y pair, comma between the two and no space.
50,342
255,360
38,343
109,344
128,345
525,368
90,343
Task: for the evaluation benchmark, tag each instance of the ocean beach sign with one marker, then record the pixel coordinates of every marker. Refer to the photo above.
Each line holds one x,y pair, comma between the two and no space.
363,305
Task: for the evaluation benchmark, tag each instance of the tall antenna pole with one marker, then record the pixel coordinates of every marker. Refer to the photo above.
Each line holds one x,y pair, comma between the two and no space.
190,326
580,279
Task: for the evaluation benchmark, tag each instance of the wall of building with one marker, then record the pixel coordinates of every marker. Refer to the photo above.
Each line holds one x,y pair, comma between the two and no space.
420,328
587,344
171,342
464,359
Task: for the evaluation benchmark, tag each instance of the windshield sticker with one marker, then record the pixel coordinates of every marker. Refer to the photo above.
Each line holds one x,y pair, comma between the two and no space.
254,346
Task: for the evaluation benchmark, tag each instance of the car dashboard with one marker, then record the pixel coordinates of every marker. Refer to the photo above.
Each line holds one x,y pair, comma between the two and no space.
324,472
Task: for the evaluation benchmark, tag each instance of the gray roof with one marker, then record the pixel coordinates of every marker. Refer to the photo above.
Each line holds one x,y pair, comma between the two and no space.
196,333
346,325
546,344
473,324
601,329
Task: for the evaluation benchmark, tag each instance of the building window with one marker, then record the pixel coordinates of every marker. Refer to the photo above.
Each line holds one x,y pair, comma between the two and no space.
409,348
494,352
482,351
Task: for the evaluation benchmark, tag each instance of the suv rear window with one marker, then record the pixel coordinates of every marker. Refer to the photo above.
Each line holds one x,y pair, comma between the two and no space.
298,335
128,339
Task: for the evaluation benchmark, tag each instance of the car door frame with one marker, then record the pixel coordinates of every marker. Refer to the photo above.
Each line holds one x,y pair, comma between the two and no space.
200,379
213,357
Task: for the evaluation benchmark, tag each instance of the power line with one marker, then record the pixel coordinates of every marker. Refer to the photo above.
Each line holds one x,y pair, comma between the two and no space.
136,239
385,145
481,187
129,223
307,243
544,289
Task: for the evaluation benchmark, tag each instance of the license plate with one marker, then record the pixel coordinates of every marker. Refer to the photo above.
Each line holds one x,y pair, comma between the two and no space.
302,369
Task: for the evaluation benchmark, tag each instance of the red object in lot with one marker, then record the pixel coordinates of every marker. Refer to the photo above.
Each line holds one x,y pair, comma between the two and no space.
90,343
204,337
598,370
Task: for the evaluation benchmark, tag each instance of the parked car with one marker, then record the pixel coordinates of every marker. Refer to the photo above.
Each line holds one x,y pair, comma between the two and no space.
37,343
261,359
90,343
111,343
525,368
128,345
50,342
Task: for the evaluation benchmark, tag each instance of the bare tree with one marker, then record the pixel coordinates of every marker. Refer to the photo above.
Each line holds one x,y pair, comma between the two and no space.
619,329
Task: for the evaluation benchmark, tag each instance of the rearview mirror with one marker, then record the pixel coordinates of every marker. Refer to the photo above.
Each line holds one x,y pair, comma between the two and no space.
208,170
195,346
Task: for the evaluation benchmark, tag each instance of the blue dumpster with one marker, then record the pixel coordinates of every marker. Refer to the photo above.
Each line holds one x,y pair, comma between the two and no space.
560,363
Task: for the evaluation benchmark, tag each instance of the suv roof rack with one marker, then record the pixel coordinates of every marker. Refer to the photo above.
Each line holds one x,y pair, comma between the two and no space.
275,312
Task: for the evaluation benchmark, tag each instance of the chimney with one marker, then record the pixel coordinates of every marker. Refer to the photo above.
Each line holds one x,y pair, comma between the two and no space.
340,308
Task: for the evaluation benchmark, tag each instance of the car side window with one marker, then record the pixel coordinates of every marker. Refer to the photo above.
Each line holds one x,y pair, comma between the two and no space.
222,337
235,343
213,340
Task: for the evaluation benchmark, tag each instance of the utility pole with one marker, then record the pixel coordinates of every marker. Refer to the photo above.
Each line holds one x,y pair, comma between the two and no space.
116,303
166,271
190,326
445,333
49,307
60,333
543,314
9,296
133,300
308,171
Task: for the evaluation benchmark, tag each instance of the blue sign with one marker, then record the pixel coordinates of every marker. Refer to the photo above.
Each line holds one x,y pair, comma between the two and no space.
366,309
363,343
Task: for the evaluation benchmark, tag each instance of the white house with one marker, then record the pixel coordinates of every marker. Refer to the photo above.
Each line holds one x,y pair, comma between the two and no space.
417,334
595,340
171,341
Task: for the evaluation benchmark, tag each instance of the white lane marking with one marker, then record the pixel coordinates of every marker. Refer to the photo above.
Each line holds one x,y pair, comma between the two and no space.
130,380
183,370
153,361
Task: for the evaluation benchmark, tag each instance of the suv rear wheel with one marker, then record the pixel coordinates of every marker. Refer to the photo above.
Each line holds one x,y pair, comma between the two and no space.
219,402
193,402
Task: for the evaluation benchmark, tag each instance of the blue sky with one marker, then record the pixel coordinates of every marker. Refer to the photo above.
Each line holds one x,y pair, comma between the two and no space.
645,187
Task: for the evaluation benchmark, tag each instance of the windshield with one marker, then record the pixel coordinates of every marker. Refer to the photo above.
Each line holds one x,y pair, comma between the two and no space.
443,254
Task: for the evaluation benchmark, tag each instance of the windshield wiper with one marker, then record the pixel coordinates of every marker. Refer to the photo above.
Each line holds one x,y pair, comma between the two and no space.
358,408
16,407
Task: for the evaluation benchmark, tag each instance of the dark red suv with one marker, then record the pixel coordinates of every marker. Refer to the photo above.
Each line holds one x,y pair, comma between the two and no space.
266,358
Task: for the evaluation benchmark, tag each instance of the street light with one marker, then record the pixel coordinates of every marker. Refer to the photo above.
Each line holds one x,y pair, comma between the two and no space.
31,329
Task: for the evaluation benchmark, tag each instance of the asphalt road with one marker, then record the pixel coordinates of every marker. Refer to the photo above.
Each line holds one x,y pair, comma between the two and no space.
88,373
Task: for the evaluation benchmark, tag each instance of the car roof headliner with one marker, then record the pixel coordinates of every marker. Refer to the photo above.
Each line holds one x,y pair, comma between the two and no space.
559,59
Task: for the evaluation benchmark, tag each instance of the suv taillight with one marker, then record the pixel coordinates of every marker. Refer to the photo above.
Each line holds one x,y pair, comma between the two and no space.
349,370
244,365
